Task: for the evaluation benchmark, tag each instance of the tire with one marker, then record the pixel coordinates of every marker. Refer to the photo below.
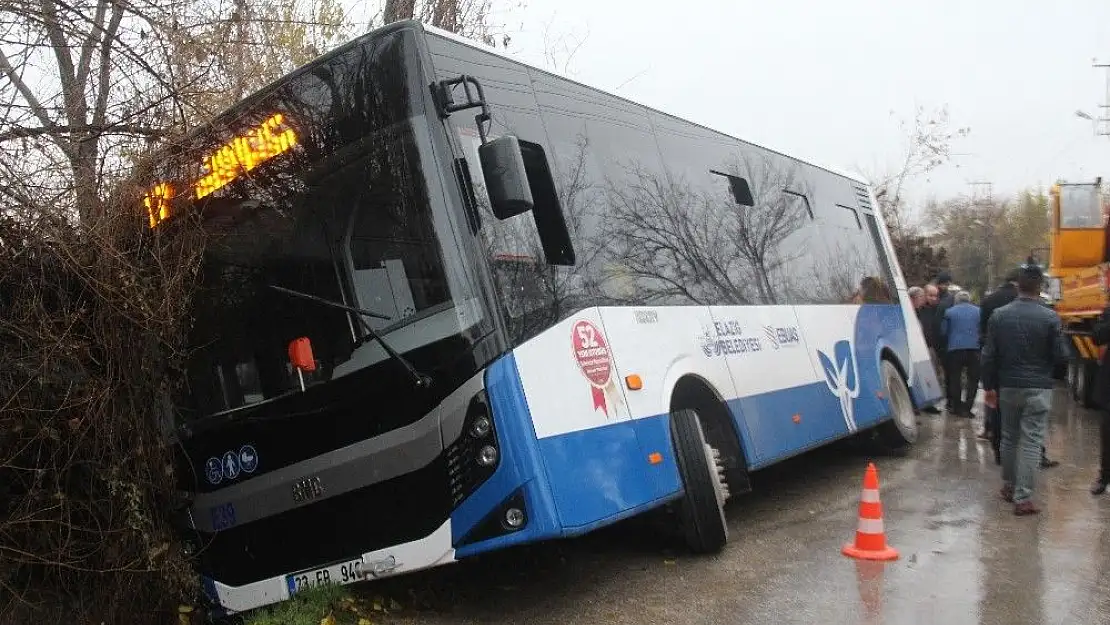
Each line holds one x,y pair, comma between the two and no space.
901,429
701,510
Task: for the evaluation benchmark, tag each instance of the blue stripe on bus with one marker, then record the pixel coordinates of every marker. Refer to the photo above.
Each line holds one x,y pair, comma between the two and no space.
603,474
578,481
521,465
925,380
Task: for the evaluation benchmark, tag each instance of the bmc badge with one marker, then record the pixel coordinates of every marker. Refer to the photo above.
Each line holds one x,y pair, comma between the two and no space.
591,351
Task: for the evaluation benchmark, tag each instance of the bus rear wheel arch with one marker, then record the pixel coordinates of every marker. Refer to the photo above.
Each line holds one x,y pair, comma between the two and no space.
720,431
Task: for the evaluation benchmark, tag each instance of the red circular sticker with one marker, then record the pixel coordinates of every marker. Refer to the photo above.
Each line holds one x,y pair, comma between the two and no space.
592,353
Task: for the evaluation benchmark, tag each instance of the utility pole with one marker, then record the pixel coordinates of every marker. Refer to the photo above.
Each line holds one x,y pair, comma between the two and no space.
1100,127
985,200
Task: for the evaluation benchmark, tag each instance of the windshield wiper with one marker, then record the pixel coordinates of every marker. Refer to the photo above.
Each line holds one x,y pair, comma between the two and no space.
420,379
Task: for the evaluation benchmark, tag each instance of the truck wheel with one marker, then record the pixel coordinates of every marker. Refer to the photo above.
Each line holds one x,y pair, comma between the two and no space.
901,430
701,509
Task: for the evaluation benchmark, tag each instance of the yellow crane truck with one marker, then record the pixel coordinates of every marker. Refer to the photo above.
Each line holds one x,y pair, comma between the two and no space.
1078,259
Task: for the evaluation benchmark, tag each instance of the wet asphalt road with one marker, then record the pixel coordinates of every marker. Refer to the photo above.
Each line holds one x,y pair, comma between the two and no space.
964,557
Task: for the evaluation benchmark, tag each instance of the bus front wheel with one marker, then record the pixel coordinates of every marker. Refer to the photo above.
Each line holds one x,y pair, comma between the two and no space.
901,429
701,509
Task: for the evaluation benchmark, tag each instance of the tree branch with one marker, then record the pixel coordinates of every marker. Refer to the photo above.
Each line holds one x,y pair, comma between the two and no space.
55,130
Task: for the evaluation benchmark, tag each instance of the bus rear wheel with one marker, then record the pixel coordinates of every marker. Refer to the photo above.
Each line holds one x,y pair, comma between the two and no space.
901,429
701,510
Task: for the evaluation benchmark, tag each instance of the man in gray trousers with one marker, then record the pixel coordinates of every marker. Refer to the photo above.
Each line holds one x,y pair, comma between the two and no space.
1024,345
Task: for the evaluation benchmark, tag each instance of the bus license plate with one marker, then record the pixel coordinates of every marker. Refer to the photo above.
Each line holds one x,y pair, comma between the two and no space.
341,573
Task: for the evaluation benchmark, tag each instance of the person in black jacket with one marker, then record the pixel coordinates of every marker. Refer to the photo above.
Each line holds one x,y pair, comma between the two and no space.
1006,293
1025,343
1101,335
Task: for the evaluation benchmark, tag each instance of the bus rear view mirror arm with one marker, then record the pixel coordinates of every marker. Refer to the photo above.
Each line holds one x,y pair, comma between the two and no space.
505,176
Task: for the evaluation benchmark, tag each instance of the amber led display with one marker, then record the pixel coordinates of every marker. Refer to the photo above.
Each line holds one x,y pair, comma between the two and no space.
245,152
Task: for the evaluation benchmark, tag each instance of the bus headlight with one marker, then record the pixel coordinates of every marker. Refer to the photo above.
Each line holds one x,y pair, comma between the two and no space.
514,518
487,456
480,427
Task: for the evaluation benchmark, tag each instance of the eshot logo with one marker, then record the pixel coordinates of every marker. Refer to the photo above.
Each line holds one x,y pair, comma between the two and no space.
782,336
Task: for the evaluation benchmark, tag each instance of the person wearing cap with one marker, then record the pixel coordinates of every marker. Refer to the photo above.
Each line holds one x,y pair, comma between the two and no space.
1025,343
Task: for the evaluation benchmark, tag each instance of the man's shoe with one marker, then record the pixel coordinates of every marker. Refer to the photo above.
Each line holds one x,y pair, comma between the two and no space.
1007,493
1098,488
1048,464
1026,508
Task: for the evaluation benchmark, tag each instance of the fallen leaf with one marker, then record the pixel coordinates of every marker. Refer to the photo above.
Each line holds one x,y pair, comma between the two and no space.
328,620
364,621
377,605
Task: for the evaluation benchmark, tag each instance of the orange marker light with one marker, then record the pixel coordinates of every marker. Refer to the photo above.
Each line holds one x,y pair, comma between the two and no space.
634,382
655,457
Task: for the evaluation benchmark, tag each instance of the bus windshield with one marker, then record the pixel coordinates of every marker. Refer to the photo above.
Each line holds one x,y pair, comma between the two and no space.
362,235
319,185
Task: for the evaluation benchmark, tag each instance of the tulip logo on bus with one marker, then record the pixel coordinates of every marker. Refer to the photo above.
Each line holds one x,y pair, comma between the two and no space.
842,378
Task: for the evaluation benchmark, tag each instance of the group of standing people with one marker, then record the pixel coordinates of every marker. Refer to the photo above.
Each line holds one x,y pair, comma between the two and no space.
1012,344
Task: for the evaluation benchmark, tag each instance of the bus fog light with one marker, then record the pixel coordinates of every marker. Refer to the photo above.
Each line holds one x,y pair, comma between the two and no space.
514,517
481,427
487,456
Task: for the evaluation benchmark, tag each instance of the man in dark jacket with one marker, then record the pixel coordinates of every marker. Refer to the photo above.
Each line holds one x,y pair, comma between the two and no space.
1005,294
1101,335
1024,345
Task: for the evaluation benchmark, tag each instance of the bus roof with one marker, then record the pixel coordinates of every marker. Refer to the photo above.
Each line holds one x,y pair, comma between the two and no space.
486,48
253,97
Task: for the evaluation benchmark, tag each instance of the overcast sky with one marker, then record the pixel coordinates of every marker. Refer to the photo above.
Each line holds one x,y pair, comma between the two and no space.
829,81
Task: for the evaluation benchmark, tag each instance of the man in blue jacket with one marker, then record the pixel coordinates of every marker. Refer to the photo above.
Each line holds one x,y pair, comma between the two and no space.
960,327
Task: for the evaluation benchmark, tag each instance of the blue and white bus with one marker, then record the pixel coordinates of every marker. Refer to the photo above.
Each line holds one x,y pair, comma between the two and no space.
452,303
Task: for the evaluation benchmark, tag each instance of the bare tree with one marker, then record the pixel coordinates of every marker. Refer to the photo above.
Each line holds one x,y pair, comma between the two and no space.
929,138
684,244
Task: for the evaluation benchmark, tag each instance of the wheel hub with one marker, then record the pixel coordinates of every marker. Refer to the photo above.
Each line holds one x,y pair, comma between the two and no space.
720,483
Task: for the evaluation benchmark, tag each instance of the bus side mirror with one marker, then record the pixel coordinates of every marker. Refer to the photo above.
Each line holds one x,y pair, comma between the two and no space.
505,176
300,355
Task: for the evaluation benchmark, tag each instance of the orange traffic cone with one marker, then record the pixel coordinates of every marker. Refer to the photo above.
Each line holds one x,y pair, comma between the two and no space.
870,538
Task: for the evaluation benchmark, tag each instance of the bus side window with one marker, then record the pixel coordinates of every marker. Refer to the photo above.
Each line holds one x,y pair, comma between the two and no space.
551,223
